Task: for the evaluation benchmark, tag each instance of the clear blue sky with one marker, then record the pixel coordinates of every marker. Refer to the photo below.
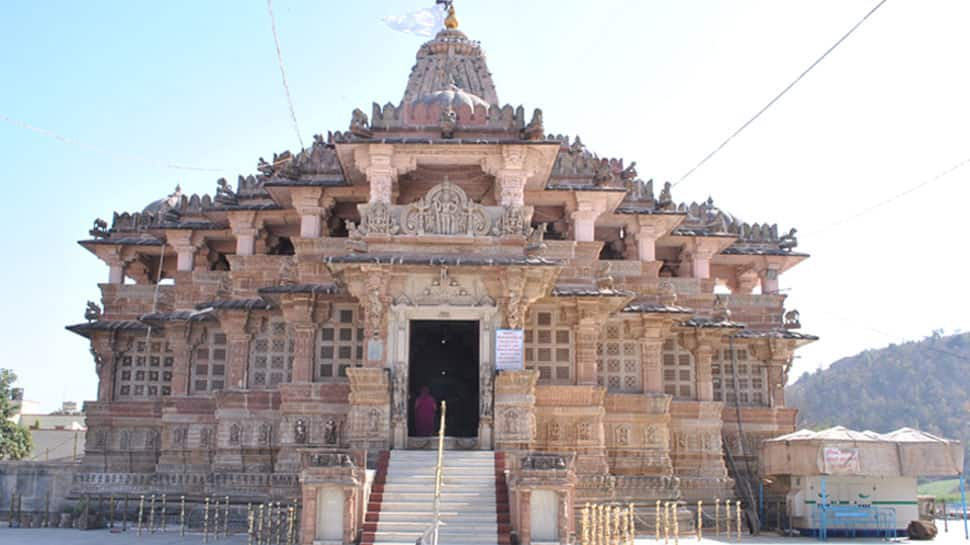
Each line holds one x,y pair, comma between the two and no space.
659,82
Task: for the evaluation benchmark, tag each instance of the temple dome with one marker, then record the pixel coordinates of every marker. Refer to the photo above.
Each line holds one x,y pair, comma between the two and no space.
450,60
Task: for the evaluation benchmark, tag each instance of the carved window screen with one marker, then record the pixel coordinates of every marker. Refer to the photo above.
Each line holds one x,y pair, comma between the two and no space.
618,362
209,362
549,347
340,344
271,361
145,370
678,370
752,378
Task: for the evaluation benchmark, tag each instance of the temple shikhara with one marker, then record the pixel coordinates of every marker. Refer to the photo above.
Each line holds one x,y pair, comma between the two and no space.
594,339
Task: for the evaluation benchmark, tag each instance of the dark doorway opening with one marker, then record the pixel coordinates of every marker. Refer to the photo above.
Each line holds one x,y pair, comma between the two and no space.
444,357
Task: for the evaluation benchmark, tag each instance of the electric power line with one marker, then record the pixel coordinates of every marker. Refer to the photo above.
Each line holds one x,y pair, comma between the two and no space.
894,198
103,151
781,94
286,86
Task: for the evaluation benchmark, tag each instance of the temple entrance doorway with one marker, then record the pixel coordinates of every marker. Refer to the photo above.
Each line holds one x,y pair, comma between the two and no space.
444,359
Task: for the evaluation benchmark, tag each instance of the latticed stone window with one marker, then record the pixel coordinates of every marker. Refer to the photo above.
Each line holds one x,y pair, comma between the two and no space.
678,370
145,371
271,362
209,362
340,344
618,362
751,375
549,347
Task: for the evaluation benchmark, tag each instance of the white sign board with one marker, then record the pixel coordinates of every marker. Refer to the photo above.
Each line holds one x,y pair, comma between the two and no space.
841,461
508,349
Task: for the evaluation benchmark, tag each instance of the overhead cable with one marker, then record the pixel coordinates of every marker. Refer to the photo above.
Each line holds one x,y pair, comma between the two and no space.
781,94
286,86
78,144
895,197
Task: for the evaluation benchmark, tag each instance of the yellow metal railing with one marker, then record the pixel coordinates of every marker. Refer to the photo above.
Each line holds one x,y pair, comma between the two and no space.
438,475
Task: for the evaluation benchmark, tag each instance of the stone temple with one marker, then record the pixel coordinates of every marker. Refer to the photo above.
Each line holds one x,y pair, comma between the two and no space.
270,341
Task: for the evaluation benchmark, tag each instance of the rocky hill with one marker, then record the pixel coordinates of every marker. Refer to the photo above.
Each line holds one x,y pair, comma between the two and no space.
922,384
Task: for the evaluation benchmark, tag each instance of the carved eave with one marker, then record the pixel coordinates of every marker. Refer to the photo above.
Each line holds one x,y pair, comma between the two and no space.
91,329
313,192
712,243
661,223
781,262
117,246
791,339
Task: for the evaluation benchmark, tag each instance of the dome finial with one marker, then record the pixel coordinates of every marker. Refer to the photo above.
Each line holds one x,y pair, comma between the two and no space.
451,22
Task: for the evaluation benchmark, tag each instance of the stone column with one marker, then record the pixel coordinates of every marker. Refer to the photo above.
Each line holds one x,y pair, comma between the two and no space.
584,225
776,382
381,173
303,351
647,242
116,272
769,280
651,357
245,227
525,517
702,262
179,343
184,248
375,305
511,178
587,335
703,380
238,339
105,368
112,255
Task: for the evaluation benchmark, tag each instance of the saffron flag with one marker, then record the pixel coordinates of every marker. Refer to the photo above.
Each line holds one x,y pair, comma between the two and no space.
424,22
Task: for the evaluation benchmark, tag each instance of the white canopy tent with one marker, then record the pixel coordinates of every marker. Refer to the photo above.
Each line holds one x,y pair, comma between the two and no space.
842,469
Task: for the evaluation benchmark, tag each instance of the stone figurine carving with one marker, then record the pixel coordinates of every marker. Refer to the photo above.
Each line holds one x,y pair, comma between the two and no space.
485,393
535,129
235,434
300,432
721,312
330,432
92,312
788,242
445,210
374,421
400,392
151,440
792,319
543,461
448,122
265,434
100,229
665,201
359,125
224,193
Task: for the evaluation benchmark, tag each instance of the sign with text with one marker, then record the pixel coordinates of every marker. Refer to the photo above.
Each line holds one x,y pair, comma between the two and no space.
508,349
841,461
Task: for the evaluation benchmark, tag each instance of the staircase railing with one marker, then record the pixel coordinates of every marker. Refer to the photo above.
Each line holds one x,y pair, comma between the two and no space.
438,476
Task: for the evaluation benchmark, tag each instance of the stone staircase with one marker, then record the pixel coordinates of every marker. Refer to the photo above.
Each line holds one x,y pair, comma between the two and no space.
474,499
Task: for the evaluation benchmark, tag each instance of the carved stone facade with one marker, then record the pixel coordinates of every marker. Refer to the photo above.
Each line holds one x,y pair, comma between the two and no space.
290,323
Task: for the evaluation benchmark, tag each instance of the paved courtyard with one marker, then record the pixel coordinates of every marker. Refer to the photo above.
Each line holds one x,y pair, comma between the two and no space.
10,536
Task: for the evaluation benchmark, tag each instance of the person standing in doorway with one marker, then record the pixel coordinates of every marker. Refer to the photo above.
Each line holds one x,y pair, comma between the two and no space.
425,408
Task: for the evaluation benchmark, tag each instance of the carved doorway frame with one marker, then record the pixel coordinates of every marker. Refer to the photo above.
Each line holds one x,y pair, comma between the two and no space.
399,348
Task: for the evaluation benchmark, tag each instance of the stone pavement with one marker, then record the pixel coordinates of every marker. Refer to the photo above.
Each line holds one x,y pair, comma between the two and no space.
10,536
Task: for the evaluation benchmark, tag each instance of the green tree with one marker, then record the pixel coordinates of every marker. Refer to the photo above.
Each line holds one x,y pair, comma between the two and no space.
14,438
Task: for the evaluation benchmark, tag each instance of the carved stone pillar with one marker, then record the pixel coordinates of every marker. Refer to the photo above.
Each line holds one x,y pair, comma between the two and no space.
184,248
651,355
245,227
375,308
370,408
584,225
702,262
510,187
703,380
515,424
104,359
381,173
304,335
776,382
769,280
587,336
178,342
647,236
238,339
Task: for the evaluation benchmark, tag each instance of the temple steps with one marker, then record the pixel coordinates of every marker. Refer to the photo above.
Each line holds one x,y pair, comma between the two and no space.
401,505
